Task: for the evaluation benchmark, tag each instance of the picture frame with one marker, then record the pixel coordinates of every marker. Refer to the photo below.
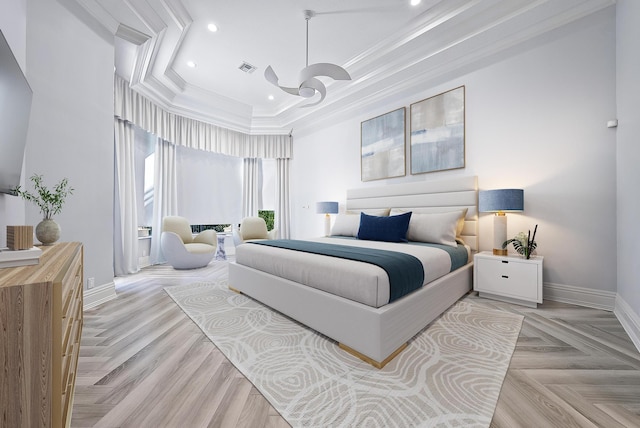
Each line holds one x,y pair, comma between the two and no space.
437,134
383,146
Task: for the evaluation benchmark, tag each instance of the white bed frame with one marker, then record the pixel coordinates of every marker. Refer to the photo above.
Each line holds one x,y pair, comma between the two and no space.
375,334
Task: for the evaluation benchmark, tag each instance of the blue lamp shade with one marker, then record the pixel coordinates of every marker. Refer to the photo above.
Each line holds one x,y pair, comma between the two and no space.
327,207
501,200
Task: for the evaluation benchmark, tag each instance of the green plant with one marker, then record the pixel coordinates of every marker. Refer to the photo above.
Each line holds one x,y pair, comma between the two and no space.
268,216
49,202
523,243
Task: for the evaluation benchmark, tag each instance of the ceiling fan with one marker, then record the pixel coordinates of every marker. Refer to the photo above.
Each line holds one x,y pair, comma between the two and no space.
309,84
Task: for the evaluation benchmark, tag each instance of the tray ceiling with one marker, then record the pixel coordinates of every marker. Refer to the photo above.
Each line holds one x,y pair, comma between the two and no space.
386,45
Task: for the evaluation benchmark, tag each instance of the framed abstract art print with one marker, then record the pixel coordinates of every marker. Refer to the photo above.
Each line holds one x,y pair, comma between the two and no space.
437,132
383,146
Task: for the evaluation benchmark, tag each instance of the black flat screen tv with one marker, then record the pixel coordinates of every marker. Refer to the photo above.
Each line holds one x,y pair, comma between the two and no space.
15,108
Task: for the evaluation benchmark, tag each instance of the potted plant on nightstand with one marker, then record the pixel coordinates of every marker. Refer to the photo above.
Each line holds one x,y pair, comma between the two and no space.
523,243
50,204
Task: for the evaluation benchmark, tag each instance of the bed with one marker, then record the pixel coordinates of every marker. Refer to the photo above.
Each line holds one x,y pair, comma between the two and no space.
370,327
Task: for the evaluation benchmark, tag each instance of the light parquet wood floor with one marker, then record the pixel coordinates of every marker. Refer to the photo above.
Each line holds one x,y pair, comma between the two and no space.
144,363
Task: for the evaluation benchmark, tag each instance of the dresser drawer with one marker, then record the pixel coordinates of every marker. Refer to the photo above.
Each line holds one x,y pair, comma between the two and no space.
50,292
72,277
69,320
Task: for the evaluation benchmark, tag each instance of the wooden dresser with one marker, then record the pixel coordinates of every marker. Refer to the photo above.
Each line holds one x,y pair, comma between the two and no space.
40,329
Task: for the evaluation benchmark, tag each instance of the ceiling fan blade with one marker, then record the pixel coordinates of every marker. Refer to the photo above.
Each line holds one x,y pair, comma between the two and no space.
292,91
318,86
270,75
324,69
272,78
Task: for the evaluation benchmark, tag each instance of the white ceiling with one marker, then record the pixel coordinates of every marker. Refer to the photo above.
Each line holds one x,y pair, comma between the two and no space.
386,45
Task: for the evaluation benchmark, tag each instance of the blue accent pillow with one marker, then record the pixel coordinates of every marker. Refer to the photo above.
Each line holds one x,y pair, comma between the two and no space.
388,229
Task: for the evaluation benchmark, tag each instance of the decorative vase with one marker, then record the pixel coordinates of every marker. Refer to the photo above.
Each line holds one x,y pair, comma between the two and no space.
48,231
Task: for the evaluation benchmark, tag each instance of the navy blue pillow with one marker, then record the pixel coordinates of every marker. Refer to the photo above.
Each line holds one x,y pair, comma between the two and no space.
389,229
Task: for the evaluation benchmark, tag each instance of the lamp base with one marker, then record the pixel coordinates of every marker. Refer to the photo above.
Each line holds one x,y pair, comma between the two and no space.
327,225
499,234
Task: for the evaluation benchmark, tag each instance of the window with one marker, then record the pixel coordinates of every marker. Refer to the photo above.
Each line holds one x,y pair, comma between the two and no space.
145,146
209,186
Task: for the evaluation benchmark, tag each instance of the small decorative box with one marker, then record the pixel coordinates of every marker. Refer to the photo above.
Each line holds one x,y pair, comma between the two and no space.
19,237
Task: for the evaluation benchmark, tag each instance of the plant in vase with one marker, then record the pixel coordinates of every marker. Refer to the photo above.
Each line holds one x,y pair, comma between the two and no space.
523,243
50,203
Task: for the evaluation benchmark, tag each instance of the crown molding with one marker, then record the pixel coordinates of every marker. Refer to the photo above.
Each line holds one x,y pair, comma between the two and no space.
131,35
442,41
178,13
422,73
180,16
147,15
101,16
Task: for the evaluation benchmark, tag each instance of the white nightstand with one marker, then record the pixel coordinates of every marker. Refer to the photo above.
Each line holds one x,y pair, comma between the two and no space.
508,278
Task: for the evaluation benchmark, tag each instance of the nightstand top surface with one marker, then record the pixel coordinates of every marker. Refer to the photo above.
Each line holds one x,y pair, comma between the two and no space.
511,256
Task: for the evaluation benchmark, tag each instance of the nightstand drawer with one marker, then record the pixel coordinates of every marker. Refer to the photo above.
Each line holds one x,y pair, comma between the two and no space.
507,278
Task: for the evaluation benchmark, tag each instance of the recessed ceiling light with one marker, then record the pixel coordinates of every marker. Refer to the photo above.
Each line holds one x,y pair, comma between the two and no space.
213,27
271,97
415,2
191,64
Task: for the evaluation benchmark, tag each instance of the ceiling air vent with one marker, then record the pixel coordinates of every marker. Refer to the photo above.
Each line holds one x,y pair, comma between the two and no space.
247,68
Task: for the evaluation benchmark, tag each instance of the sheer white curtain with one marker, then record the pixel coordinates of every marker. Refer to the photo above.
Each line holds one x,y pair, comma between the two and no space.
283,211
165,194
251,187
170,128
125,212
183,131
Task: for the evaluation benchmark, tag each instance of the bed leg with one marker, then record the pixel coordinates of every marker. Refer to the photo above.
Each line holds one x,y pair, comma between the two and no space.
234,290
371,361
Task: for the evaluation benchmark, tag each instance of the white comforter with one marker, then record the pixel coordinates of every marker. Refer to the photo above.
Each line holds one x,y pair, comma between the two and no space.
358,281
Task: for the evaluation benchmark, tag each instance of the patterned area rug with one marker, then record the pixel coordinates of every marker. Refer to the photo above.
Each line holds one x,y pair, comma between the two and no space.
450,375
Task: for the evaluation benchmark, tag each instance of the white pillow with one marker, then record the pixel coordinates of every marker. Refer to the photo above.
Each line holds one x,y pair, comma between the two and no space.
459,226
436,228
380,212
346,225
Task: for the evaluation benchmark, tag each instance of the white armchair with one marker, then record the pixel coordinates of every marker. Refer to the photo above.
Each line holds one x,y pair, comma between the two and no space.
252,229
181,249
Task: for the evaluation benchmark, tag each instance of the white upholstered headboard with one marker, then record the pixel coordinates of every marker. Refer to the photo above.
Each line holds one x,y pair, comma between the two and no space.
426,196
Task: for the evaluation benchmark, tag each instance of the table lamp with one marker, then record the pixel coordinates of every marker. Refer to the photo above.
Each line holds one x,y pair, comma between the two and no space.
327,208
500,201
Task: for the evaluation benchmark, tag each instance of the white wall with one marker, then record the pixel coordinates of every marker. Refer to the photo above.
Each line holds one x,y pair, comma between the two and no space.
535,120
13,23
70,69
628,94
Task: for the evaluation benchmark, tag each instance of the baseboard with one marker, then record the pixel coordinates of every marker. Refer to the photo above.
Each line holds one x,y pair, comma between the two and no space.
629,319
588,297
98,295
